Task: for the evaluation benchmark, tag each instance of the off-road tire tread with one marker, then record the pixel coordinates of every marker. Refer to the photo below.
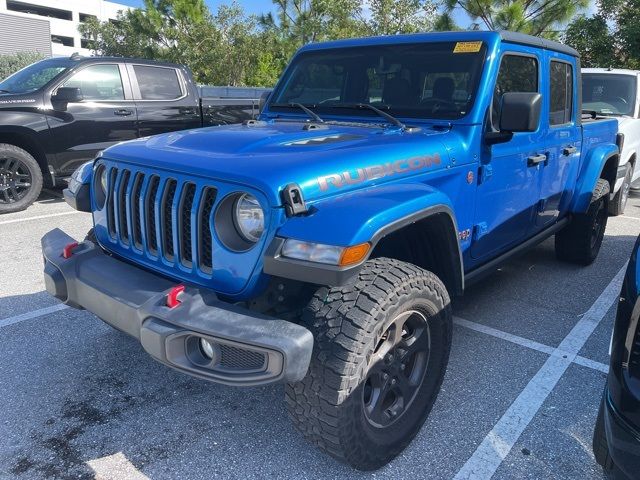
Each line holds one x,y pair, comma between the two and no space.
343,321
573,242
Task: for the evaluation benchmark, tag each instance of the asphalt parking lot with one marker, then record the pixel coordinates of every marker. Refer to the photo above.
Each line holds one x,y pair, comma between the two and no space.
519,400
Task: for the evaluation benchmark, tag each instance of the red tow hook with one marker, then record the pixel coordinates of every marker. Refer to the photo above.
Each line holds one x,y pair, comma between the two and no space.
172,297
67,251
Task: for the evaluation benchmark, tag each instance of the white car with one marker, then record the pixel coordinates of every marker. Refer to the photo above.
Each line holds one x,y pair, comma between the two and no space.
616,93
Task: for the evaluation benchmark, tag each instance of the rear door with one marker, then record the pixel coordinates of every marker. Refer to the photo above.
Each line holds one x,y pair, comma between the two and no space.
509,175
563,142
163,100
106,115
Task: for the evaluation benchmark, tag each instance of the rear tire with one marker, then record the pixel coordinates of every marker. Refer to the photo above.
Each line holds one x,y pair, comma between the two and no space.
616,207
580,241
381,349
20,179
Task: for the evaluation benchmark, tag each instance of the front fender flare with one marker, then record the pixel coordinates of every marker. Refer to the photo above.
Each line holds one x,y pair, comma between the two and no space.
590,172
363,216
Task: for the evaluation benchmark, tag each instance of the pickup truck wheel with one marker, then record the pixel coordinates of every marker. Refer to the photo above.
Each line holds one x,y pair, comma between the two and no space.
616,207
20,179
380,352
580,241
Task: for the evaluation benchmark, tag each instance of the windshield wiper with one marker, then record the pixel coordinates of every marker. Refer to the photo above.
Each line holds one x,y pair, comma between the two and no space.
305,109
393,120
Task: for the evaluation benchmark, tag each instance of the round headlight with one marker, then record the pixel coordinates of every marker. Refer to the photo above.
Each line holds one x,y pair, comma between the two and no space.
249,217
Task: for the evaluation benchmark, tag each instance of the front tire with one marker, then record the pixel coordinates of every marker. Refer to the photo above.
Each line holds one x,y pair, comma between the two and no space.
381,349
619,202
580,241
600,446
20,179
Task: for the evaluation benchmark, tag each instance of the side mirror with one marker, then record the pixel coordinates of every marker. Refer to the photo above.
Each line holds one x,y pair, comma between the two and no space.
263,100
520,112
67,95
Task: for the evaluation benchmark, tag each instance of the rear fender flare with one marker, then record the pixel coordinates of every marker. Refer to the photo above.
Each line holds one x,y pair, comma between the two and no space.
591,171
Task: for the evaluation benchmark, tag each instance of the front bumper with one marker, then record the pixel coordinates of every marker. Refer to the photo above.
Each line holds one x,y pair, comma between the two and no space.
249,348
623,440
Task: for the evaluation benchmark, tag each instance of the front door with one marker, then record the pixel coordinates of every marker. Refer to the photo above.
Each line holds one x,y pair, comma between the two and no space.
564,140
508,187
105,116
162,100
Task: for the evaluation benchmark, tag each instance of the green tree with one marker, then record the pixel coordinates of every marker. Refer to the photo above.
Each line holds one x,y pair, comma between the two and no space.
611,37
591,37
10,64
390,17
535,17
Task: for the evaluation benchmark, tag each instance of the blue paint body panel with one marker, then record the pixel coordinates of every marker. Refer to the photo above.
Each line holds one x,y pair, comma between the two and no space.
357,177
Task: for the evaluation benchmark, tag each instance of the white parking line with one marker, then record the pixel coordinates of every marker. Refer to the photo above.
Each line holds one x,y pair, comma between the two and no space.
115,466
38,217
498,443
5,322
525,342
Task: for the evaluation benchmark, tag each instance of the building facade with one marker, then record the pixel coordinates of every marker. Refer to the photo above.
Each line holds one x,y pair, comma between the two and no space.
25,24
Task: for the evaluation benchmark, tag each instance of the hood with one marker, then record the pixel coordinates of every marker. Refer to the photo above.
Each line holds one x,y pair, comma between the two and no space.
324,161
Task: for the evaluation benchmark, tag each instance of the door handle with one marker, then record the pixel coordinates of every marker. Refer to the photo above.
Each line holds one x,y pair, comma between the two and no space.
569,150
123,112
536,159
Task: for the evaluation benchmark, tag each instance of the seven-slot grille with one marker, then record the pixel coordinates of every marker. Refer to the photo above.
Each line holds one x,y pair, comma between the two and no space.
161,216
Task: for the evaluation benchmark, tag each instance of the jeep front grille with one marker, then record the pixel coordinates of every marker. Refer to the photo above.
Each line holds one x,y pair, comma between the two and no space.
161,216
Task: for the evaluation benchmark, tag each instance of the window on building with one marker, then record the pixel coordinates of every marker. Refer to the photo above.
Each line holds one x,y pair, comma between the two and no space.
98,82
158,83
84,17
561,101
50,12
66,41
517,73
86,43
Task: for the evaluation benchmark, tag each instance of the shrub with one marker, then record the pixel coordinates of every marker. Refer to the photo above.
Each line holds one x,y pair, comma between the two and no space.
10,64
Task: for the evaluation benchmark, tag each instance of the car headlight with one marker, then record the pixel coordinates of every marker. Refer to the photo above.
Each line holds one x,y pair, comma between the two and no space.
248,217
327,254
100,181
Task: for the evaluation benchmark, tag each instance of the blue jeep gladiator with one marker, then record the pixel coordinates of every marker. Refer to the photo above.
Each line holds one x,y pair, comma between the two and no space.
320,245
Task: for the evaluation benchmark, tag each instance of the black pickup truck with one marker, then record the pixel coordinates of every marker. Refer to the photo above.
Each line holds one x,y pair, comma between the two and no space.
58,113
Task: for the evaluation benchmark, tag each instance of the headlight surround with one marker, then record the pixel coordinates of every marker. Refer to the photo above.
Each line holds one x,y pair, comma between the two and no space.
248,217
325,254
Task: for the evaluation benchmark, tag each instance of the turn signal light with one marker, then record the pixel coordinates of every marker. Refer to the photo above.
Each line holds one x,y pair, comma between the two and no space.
354,254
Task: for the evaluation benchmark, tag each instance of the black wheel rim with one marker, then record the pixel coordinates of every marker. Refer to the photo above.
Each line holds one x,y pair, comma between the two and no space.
597,229
15,180
397,369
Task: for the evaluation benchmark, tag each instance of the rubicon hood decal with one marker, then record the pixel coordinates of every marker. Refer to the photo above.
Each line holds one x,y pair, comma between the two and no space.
373,172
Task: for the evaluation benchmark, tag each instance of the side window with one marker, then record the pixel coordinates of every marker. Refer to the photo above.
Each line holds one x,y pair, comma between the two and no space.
517,74
561,78
157,83
98,82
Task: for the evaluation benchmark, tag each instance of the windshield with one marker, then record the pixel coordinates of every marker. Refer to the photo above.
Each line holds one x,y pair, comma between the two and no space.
608,93
34,76
425,80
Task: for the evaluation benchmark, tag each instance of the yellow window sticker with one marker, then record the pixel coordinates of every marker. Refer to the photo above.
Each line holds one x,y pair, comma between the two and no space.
467,47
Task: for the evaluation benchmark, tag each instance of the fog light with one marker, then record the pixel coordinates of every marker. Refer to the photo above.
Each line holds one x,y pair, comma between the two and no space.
207,348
